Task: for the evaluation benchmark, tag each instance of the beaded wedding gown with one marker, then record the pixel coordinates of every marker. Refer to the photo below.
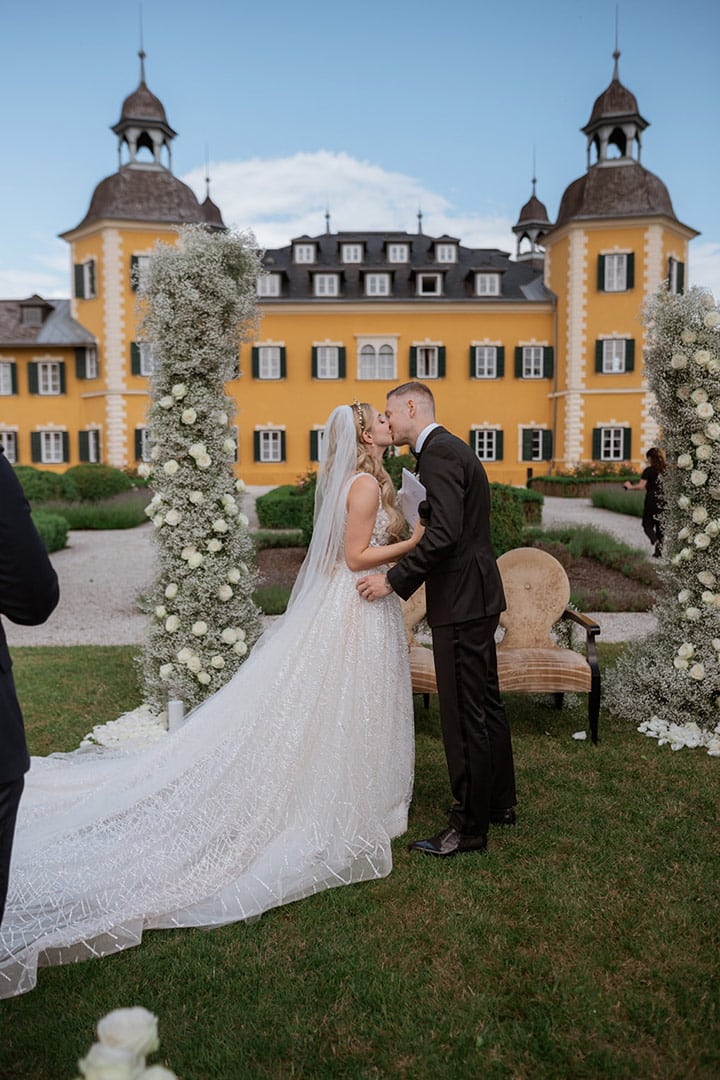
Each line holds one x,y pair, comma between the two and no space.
291,779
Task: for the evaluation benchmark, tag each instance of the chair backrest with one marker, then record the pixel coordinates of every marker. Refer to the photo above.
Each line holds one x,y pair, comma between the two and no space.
537,591
414,611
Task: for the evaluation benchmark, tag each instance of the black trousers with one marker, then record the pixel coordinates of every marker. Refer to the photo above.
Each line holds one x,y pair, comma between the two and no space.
475,730
10,793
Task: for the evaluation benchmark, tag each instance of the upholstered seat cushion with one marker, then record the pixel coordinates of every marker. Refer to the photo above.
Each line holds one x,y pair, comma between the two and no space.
551,671
422,670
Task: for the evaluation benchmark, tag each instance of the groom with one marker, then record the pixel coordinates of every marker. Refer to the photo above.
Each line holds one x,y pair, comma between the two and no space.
455,559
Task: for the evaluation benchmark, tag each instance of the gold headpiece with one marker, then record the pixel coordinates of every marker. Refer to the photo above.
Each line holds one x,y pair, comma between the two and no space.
359,413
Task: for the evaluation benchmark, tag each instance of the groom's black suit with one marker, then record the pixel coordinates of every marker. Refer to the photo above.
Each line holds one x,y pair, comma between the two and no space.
28,593
464,593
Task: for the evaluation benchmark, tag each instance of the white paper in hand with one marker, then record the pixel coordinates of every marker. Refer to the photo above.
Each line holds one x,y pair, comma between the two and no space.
410,495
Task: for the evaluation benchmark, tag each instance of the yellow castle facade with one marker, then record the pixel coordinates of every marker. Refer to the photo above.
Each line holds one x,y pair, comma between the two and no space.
535,359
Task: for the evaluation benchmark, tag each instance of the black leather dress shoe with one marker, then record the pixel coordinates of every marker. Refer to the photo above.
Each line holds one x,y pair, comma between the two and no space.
450,842
503,817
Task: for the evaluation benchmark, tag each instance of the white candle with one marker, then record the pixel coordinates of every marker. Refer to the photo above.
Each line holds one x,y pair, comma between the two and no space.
176,714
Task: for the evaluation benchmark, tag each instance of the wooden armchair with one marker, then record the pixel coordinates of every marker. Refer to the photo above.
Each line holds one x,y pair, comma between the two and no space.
537,591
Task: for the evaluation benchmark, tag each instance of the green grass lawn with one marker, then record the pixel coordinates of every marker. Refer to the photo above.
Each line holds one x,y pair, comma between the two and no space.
585,944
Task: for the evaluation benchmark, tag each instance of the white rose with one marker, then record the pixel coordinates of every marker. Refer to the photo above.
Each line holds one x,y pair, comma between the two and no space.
240,485
683,502
683,596
240,648
712,528
711,319
683,533
220,525
217,661
705,410
204,461
188,416
698,477
683,393
705,577
160,611
684,461
196,498
708,597
104,1062
195,560
697,438
203,677
678,361
687,554
134,1029
199,628
166,671
704,453
675,560
688,336
166,402
229,446
172,623
214,545
680,664
240,633
714,491
173,517
692,613
708,301
144,469
184,655
225,593
716,644
697,672
197,450
244,520
699,515
158,1072
701,357
171,591
187,552
232,510
158,521
233,575
227,500
229,635
712,430
713,365
170,467
702,541
178,391
155,452
698,396
194,663
222,419
686,650
242,567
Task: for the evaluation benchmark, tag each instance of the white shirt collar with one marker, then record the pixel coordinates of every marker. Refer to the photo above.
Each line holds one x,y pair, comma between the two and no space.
423,436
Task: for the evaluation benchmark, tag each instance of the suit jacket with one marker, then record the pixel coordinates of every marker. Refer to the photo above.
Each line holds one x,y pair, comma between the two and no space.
28,593
455,558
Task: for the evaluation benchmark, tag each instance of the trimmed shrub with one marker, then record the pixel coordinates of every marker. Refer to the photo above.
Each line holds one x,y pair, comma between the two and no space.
91,483
39,485
395,466
285,507
619,501
507,517
52,528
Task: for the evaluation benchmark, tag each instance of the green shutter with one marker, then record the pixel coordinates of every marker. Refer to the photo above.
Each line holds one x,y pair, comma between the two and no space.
84,446
138,444
282,446
66,446
527,444
518,362
630,355
473,369
283,365
134,263
547,439
472,441
13,378
256,444
630,272
596,444
91,275
33,381
61,366
341,362
413,362
134,358
314,450
314,364
599,356
500,362
681,277
79,283
35,446
499,445
256,368
601,273
80,366
441,362
627,443
548,361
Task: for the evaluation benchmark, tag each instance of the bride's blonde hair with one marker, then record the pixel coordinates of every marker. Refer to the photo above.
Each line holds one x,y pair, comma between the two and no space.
363,415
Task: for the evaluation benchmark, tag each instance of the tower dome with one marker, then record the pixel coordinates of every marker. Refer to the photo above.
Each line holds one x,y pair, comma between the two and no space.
531,226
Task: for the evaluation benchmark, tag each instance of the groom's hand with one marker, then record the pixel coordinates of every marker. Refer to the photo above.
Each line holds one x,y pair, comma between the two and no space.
374,587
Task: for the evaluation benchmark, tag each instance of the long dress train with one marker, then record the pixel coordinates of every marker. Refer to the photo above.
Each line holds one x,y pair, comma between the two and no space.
291,779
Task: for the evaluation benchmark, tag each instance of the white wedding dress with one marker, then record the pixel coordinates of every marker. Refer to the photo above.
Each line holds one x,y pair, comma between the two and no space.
291,779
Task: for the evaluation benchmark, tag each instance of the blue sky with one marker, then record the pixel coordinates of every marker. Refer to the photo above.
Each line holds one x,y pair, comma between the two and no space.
370,110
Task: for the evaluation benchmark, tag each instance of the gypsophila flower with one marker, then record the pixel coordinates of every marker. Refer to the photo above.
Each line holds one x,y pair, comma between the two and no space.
683,393
716,644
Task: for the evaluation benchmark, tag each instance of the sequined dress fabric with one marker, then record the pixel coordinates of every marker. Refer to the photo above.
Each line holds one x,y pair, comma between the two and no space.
291,779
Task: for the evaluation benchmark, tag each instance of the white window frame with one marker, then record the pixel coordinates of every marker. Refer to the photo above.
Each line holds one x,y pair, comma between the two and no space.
611,443
140,269
532,361
49,384
427,359
326,284
398,253
328,361
615,273
145,446
613,356
376,358
91,362
377,284
147,359
51,447
488,438
351,253
485,361
427,278
89,279
446,253
269,362
6,381
270,446
8,441
304,253
537,443
487,284
93,435
268,285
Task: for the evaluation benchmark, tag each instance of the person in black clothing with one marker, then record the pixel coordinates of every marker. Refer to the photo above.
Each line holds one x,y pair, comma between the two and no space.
28,594
651,483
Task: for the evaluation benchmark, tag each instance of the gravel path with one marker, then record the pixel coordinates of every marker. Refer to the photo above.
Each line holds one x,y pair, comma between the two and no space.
102,574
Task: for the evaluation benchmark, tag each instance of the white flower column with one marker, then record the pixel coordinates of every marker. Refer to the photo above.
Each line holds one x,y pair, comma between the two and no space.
199,303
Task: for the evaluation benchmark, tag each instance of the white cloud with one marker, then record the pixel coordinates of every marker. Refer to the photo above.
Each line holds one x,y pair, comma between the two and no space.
51,279
704,264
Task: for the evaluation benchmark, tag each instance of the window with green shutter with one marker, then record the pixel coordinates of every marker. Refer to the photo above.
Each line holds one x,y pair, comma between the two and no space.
80,368
413,362
79,285
33,380
315,445
135,359
84,445
548,362
36,446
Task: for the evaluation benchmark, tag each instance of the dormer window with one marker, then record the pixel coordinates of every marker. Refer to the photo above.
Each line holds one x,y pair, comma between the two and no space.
304,253
268,285
429,284
352,253
487,284
31,316
377,284
445,253
326,284
398,253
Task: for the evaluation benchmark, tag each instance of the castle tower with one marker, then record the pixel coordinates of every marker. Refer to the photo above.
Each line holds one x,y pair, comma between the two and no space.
530,229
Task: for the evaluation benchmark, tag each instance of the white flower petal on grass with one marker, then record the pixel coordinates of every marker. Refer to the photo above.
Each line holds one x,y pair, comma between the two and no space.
580,736
134,1029
110,1063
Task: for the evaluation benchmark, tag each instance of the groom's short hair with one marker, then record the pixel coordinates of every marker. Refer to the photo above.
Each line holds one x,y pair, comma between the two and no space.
416,390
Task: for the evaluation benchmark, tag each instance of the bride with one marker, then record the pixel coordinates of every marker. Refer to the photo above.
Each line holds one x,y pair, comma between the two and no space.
291,779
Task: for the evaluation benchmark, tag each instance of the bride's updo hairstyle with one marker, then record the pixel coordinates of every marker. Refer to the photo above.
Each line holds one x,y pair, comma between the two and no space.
363,415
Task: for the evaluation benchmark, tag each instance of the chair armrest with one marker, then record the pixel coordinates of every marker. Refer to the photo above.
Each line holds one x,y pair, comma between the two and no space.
592,630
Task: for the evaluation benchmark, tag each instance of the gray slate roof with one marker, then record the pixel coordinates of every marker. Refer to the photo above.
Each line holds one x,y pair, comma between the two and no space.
615,191
58,327
147,194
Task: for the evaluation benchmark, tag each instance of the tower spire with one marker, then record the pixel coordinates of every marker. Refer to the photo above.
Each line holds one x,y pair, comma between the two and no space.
141,52
616,54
